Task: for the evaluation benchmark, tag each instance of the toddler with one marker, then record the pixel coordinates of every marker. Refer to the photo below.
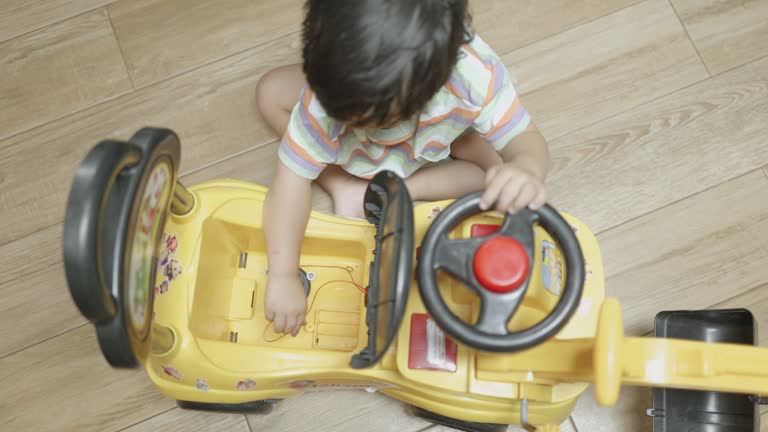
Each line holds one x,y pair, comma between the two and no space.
399,85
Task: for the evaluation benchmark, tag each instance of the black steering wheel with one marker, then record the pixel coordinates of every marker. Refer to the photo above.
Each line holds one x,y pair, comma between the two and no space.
497,267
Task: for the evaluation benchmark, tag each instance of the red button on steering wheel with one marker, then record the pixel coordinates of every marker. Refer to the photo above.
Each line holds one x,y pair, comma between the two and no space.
501,264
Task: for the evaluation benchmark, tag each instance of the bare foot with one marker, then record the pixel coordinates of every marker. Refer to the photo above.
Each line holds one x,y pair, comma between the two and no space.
346,190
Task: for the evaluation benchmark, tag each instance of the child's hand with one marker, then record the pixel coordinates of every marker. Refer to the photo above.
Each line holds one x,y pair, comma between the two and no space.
285,303
512,188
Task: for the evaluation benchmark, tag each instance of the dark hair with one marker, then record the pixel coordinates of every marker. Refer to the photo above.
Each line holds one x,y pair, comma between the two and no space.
371,61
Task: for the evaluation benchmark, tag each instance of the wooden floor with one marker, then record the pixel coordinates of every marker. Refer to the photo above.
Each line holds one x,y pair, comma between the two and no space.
656,110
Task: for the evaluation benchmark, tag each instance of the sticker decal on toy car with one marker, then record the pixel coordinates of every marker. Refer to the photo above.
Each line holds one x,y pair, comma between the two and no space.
201,384
246,384
430,348
169,267
434,213
173,372
551,268
143,247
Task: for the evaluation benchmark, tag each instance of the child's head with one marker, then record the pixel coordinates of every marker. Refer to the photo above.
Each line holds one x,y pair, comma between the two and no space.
376,62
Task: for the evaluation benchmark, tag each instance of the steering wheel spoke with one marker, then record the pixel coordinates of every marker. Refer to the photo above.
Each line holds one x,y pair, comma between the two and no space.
455,258
495,312
520,226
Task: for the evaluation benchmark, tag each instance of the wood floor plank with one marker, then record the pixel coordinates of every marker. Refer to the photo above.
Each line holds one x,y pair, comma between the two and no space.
22,16
666,150
178,420
727,33
508,26
36,304
627,415
58,70
65,384
339,411
605,67
162,38
212,109
683,255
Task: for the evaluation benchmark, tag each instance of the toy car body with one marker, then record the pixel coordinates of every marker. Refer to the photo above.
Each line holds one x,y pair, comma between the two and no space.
173,278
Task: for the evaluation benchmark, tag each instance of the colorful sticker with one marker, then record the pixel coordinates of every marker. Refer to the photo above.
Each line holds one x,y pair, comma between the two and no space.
435,212
201,384
153,203
173,372
551,268
170,267
575,229
246,384
587,269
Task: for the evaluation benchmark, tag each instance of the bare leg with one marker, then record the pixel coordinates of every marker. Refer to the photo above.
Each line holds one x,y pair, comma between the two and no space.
447,180
346,191
472,147
277,93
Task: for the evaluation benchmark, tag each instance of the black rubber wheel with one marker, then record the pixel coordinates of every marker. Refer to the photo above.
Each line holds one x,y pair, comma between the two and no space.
261,407
455,423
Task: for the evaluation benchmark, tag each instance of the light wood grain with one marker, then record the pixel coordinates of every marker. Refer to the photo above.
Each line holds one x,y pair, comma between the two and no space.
684,255
36,304
21,16
212,109
162,38
65,384
727,33
663,151
604,67
338,411
627,415
57,70
178,420
506,26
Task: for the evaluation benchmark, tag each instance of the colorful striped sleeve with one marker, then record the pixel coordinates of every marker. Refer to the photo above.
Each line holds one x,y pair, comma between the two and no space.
311,141
502,115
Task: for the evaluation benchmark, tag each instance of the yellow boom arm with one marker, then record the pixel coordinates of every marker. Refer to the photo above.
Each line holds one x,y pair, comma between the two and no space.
610,359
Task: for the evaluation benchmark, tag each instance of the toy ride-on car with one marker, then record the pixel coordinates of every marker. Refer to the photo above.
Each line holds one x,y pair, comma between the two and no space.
475,320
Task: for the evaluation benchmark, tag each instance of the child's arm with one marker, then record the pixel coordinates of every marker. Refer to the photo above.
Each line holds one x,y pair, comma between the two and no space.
286,213
519,181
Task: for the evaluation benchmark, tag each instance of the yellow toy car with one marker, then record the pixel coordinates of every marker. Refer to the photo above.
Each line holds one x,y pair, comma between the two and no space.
474,320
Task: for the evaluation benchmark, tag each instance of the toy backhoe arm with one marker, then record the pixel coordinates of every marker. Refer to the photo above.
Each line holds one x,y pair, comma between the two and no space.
610,359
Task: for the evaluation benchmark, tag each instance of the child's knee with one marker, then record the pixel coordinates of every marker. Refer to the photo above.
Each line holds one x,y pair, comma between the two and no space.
268,90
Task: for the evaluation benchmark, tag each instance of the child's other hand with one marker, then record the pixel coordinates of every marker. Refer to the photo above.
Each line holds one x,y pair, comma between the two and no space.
285,303
512,188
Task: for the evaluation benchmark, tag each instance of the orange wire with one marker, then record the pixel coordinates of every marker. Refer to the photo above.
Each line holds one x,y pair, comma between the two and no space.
349,271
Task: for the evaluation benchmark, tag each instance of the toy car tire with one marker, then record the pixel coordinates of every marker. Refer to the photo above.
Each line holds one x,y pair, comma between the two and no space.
261,407
455,423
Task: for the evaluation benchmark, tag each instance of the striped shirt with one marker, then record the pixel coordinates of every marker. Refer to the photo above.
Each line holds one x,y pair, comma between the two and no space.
478,95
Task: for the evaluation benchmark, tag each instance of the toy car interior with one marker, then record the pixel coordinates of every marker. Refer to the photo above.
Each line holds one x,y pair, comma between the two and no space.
508,323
